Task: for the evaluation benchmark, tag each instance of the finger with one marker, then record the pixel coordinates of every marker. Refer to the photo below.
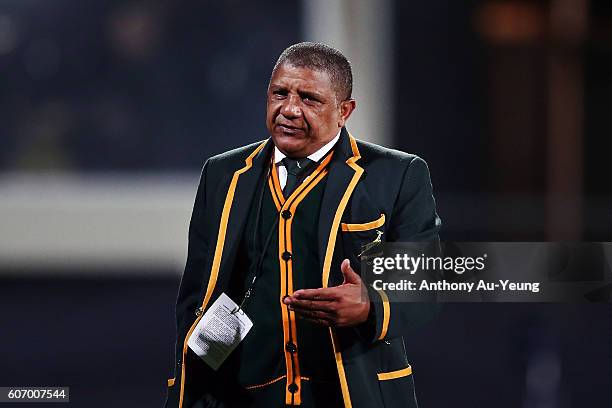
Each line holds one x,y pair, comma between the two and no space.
350,276
314,316
317,294
321,305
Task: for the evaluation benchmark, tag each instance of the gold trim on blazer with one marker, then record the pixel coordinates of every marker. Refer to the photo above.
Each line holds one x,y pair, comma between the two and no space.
329,252
277,379
386,314
277,202
277,191
392,375
365,226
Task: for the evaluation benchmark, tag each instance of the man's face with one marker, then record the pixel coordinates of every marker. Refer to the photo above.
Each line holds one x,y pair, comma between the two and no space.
303,112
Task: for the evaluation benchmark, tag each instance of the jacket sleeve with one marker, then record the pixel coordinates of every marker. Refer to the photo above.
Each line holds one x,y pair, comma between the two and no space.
194,279
414,219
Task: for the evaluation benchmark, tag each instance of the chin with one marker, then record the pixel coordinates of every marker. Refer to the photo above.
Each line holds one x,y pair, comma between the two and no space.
289,145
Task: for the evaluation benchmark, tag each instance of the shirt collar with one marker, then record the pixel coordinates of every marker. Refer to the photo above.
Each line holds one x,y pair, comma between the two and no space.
316,156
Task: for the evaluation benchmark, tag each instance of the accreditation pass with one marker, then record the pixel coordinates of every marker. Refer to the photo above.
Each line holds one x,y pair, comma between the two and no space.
219,331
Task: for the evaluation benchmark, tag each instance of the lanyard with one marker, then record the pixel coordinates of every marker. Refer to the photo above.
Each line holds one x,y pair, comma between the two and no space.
262,253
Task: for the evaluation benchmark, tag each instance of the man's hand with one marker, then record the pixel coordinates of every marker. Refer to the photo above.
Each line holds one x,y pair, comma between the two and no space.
338,306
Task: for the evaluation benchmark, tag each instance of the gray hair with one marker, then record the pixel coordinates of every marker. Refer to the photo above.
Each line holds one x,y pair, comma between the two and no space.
321,57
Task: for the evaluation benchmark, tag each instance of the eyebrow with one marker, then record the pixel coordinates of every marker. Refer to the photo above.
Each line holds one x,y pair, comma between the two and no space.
309,94
277,88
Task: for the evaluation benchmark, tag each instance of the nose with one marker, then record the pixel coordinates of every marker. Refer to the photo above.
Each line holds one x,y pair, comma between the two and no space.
291,107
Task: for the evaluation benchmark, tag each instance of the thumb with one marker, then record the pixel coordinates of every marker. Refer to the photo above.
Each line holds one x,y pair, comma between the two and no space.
350,276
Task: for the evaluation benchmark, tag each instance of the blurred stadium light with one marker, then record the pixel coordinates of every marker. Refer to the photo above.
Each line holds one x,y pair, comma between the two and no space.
363,30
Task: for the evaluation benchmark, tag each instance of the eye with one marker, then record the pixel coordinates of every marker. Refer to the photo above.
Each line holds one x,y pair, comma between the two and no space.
310,99
279,93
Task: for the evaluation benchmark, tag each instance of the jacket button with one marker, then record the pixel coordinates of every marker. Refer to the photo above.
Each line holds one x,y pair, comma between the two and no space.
292,388
290,347
286,255
286,214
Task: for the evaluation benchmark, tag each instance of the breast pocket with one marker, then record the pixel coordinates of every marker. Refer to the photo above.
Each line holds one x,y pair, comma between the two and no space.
361,240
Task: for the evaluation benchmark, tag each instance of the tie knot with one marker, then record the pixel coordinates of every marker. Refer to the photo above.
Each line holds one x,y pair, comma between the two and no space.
296,167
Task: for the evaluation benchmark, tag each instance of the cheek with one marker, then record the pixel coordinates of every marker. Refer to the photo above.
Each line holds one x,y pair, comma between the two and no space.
323,120
271,111
315,119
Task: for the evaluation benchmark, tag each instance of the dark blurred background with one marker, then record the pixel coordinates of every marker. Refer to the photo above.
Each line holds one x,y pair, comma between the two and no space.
109,108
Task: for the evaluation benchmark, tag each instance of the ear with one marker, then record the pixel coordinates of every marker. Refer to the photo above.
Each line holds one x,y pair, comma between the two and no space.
346,108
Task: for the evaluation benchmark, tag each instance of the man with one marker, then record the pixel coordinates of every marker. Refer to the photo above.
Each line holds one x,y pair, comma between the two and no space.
278,226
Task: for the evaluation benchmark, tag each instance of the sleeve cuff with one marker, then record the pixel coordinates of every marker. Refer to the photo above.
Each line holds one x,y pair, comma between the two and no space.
376,326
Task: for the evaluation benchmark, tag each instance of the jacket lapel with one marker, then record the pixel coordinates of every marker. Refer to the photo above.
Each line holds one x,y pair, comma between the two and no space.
343,176
246,187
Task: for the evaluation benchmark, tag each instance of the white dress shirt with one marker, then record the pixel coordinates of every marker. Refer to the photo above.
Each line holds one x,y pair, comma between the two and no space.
315,157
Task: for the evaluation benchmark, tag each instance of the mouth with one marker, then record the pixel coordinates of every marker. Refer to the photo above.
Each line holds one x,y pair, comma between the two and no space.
288,129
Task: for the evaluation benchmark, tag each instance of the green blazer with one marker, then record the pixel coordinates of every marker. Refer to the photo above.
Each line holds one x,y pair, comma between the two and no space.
369,188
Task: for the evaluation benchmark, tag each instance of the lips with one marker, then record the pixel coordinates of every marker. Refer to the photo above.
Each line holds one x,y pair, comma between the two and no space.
288,129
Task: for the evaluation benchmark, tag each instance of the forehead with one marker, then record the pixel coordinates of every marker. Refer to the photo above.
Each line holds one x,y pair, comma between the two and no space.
301,78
